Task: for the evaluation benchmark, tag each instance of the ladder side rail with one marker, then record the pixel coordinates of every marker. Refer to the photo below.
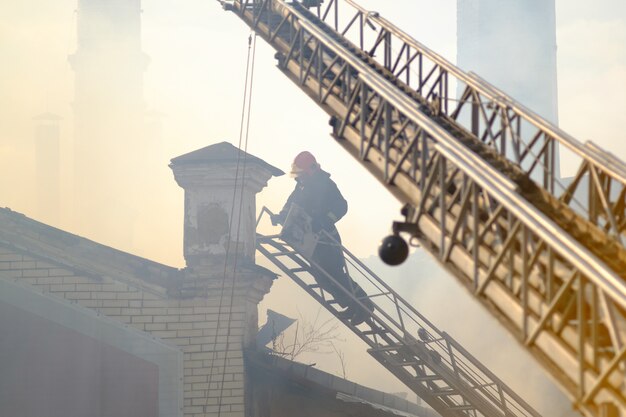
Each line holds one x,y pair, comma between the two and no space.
405,195
466,385
474,371
403,336
606,285
591,266
394,341
459,357
431,336
508,120
586,380
484,174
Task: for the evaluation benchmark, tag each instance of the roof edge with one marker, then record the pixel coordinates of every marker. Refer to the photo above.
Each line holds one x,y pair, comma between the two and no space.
77,253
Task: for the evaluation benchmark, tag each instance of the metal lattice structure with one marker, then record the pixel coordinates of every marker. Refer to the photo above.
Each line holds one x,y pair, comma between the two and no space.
427,360
477,171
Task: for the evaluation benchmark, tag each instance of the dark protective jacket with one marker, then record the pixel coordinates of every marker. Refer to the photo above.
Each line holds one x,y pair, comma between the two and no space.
320,198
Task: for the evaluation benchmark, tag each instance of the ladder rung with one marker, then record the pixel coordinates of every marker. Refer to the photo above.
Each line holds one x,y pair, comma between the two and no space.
445,392
462,407
400,355
385,348
285,253
394,362
410,363
428,378
426,342
372,332
481,386
289,252
266,238
380,294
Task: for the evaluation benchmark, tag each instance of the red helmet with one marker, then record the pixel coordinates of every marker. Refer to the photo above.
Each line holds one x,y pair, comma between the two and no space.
303,163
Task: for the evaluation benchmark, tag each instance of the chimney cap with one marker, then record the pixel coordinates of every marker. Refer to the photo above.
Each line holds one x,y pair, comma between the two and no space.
222,152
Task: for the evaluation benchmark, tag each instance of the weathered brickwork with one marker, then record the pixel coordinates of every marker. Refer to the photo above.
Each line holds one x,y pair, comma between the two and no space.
210,330
210,316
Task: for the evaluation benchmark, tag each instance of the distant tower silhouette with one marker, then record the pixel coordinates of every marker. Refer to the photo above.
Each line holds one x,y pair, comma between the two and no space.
109,117
512,45
47,144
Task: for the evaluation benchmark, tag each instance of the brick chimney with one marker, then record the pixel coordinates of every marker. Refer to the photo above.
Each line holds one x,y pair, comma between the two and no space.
221,183
219,215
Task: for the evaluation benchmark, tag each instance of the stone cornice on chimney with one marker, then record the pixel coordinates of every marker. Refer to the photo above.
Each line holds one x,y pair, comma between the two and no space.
223,153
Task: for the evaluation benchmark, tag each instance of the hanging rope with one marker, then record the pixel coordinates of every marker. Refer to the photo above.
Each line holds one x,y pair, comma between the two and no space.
245,119
241,134
245,158
245,151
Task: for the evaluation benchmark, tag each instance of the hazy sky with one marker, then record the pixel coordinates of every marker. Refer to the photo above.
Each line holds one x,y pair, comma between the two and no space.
195,79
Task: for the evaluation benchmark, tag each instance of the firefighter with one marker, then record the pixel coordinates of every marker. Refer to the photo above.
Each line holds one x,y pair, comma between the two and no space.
320,198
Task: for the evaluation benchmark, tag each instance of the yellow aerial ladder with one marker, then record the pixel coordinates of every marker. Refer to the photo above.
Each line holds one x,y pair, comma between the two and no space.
476,171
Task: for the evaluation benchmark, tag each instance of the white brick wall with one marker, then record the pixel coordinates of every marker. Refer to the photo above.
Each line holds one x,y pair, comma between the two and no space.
211,337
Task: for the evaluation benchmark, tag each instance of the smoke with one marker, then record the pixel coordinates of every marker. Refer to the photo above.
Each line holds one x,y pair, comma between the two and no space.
513,46
194,82
444,302
26,91
449,305
597,75
110,167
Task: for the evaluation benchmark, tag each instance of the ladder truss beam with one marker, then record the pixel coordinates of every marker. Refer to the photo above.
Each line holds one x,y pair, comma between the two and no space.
479,175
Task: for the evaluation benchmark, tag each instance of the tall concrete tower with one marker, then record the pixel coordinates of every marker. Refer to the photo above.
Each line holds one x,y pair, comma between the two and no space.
109,118
512,45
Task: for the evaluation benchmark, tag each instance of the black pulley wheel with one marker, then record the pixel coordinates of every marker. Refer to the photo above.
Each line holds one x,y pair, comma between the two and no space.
393,250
